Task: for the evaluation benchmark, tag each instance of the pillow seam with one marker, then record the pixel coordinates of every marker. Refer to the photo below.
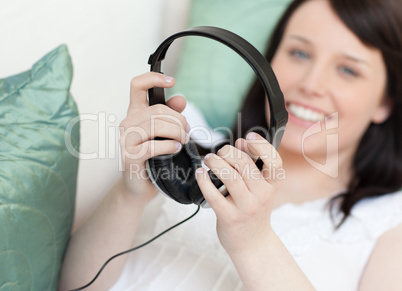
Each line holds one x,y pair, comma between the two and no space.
40,68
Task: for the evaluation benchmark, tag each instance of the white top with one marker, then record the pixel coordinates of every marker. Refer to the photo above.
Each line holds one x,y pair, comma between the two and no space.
190,257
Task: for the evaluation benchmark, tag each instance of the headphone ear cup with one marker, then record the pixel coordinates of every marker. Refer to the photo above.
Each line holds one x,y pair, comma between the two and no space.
174,174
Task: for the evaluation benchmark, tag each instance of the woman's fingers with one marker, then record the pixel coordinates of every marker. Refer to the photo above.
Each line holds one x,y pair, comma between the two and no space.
141,84
243,164
143,124
177,103
135,135
241,144
144,121
163,112
153,113
154,121
259,147
231,178
152,148
236,168
214,198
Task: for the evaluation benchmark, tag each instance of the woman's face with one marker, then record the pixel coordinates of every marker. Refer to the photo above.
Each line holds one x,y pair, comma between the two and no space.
333,84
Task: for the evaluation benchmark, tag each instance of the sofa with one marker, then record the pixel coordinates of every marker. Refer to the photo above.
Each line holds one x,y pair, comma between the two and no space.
70,63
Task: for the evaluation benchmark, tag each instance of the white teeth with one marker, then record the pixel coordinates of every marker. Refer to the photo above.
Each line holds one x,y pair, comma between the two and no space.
305,113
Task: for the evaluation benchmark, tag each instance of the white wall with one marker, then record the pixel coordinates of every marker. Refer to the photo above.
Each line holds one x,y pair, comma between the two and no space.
109,42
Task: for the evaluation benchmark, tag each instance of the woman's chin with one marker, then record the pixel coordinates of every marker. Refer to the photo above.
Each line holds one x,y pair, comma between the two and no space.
302,143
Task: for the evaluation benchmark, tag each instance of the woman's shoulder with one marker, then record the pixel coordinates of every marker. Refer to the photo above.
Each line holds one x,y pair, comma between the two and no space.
370,218
379,214
301,227
384,261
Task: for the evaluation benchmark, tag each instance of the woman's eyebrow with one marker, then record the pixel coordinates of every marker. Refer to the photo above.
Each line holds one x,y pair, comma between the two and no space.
298,37
355,59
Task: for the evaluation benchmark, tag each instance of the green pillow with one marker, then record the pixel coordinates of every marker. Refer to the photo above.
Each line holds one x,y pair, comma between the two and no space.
209,74
38,174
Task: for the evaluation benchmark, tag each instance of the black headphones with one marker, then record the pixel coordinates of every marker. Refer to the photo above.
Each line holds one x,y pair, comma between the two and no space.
174,175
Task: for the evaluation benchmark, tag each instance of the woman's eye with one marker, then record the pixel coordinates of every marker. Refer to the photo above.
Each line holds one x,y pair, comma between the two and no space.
348,71
299,54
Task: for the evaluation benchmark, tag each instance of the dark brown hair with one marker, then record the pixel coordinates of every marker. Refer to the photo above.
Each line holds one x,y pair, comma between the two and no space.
377,165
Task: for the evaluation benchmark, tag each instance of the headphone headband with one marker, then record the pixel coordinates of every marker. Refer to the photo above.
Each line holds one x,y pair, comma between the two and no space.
250,54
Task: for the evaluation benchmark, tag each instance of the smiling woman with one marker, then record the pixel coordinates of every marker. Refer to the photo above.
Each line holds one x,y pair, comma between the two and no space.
345,65
332,72
338,65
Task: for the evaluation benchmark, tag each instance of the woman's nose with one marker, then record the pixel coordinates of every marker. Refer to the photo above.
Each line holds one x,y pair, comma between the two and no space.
314,81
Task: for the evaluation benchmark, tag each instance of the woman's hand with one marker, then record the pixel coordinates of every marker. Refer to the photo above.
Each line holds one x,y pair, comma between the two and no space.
243,217
142,124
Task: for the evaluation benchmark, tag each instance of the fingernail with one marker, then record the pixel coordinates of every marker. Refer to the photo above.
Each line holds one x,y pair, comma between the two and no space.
199,170
207,156
178,146
251,136
187,138
168,79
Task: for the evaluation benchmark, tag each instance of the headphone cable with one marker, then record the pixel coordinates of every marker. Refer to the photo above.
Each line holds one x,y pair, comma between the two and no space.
136,248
